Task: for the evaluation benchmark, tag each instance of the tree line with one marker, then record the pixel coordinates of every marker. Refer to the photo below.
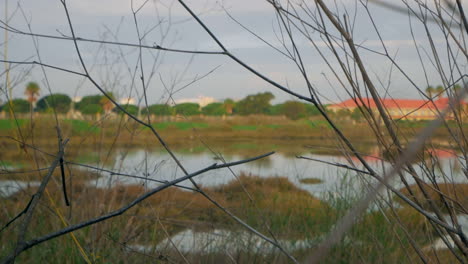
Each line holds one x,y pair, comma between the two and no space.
259,103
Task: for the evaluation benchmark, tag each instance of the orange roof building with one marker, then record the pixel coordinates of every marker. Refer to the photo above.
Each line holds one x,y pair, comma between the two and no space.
399,108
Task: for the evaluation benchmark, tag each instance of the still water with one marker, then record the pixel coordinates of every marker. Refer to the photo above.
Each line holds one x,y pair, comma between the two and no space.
159,166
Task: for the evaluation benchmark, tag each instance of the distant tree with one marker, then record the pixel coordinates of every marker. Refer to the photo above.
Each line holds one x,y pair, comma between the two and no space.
31,92
275,109
159,109
439,90
229,105
17,105
311,110
131,109
294,110
457,88
187,109
214,109
106,103
254,104
430,91
88,100
59,102
91,109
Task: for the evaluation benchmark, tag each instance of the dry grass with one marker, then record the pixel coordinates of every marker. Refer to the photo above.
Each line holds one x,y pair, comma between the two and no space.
455,194
310,181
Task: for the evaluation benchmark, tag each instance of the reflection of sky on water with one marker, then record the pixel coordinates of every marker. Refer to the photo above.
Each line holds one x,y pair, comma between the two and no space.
9,187
221,241
160,166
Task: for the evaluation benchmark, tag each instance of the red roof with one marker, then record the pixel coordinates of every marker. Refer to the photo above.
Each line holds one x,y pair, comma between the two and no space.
395,103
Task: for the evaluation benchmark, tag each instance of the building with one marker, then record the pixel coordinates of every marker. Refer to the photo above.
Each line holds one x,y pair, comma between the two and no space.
399,108
127,100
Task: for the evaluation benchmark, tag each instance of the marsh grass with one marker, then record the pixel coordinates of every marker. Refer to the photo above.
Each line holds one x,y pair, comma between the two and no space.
456,196
277,207
310,180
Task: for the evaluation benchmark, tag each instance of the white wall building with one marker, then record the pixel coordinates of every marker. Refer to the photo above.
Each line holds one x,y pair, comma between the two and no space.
127,100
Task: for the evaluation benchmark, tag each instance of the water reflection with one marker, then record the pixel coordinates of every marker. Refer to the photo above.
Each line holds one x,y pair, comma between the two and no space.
222,241
9,187
159,166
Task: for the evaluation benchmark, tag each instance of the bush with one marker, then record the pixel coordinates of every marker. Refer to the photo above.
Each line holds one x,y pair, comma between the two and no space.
254,104
187,109
131,109
159,109
293,110
60,102
88,100
91,109
214,109
18,106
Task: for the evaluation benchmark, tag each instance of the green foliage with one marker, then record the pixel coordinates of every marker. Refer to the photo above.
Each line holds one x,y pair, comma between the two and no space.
254,104
413,123
91,109
159,109
214,109
187,109
311,110
430,91
275,109
228,105
32,90
131,109
17,105
88,100
60,102
356,115
439,89
457,88
294,110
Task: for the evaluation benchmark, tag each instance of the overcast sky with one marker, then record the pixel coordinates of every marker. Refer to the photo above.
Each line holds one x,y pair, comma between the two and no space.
181,75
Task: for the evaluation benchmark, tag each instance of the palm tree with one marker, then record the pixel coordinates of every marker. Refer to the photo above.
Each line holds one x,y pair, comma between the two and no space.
32,91
439,90
106,103
457,88
228,105
430,91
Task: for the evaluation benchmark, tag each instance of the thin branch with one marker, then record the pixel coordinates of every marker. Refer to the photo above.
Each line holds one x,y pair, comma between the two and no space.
29,244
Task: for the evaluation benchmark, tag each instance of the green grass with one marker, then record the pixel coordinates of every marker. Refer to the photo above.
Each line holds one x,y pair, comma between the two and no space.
160,126
413,123
9,164
189,125
244,127
180,125
80,126
7,124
